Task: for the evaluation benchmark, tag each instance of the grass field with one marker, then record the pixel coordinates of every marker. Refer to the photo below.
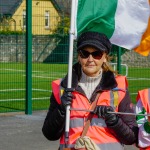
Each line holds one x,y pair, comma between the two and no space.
13,84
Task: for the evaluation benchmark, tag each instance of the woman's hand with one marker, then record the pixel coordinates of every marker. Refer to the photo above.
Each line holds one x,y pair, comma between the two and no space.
66,98
103,111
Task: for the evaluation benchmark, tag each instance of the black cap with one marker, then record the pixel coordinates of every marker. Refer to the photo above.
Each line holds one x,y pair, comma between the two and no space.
95,39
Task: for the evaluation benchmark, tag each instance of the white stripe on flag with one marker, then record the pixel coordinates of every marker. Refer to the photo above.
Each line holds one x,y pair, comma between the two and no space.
130,22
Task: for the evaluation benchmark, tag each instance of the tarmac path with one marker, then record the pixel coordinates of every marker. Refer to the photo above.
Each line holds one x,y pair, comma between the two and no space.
23,132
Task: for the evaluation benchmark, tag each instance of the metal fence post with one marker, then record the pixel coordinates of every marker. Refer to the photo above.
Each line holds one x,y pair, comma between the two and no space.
28,57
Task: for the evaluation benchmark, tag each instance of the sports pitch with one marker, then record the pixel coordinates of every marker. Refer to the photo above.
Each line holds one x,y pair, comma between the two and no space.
13,84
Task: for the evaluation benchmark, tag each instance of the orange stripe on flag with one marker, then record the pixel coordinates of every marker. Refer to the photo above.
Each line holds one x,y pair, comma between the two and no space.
144,47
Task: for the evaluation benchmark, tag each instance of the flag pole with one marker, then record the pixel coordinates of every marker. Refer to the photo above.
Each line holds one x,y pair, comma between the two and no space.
71,40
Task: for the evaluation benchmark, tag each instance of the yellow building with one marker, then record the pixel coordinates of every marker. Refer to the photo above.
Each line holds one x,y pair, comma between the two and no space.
45,16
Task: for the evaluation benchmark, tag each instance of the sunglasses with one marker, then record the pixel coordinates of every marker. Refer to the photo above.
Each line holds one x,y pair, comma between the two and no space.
86,54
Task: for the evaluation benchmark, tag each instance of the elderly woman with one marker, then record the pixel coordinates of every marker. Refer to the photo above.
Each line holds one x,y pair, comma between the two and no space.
93,82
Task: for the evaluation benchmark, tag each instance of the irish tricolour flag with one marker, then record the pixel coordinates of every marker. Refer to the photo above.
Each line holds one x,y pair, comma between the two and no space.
123,21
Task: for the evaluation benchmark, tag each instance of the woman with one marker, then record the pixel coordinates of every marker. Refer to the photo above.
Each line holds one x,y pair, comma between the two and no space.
92,76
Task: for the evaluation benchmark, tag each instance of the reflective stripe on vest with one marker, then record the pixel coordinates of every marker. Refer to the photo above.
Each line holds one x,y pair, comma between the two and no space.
98,130
79,122
144,95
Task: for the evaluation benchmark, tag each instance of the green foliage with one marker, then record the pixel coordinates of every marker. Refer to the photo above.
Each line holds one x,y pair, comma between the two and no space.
63,26
8,32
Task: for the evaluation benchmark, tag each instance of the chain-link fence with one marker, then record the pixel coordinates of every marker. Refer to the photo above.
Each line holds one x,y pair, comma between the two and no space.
50,48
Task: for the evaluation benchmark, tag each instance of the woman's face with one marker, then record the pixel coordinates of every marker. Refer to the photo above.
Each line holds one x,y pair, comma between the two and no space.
91,66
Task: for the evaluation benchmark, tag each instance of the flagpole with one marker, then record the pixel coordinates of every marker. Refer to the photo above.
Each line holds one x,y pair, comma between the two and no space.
71,40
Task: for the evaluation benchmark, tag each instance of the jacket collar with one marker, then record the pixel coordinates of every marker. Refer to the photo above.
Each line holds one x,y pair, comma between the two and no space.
107,82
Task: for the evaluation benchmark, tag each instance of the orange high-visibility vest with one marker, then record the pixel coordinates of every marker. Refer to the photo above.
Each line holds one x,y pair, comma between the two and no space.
144,95
98,130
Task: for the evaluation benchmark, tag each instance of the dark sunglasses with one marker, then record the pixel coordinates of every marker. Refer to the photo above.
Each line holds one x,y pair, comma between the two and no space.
86,54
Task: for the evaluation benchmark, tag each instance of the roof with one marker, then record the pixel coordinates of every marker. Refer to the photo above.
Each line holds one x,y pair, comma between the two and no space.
63,5
8,7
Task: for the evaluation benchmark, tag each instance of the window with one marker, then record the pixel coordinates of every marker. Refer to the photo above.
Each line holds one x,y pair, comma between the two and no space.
47,19
24,18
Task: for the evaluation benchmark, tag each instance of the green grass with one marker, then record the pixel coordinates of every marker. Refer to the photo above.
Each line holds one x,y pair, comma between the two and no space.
13,84
138,78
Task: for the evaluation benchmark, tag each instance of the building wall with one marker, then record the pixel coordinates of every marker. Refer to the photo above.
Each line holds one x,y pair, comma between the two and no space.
39,7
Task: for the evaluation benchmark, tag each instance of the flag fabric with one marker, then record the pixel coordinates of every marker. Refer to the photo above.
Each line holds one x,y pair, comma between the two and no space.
123,21
144,47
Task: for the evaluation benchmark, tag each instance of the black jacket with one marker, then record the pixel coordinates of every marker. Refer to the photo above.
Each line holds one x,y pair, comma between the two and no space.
125,130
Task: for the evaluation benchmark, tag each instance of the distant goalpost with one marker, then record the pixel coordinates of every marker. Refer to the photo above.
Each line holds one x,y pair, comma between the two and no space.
114,65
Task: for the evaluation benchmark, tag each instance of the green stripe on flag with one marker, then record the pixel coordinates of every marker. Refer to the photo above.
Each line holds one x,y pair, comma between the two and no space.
96,15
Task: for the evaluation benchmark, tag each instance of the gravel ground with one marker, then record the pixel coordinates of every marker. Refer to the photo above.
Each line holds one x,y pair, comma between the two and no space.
23,132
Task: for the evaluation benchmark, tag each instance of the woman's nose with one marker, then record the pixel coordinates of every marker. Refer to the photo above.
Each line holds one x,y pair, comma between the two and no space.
90,58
